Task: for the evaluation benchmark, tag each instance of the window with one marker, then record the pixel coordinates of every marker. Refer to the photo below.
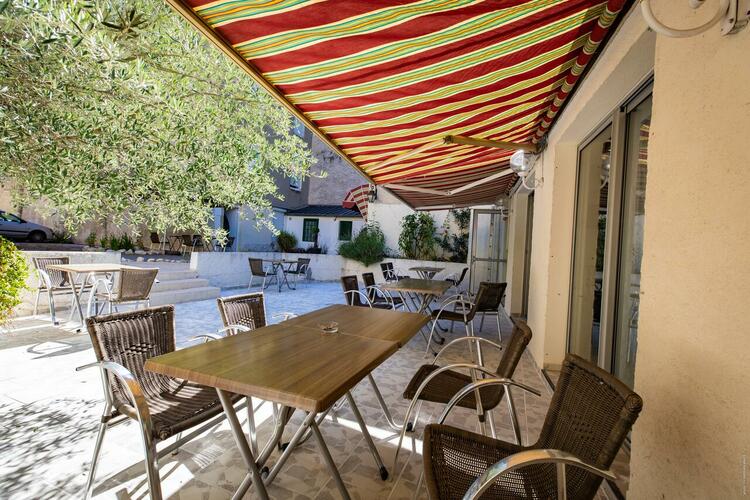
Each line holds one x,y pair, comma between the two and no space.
345,230
295,183
309,230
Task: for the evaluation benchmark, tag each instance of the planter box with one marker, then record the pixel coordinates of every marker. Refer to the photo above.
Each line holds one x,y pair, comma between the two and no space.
231,269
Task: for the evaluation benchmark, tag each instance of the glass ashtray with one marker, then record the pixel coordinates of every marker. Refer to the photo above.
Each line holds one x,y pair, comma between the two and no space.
331,327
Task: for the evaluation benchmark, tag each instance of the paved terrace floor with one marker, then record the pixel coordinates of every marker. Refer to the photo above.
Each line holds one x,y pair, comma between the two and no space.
49,414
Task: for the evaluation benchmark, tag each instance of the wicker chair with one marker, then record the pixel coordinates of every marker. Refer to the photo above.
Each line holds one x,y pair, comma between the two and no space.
389,272
356,297
464,311
379,297
154,241
132,287
257,271
589,417
492,303
438,384
163,406
299,269
455,281
53,283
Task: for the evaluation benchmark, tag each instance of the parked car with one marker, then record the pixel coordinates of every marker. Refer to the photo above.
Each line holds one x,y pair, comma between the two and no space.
14,227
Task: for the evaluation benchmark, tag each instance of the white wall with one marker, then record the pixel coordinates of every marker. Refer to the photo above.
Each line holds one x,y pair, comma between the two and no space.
231,269
329,231
252,237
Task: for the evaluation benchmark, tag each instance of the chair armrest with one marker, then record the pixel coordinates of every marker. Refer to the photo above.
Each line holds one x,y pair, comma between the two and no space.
379,291
530,457
206,337
286,315
473,386
354,293
446,304
466,339
44,278
236,328
131,385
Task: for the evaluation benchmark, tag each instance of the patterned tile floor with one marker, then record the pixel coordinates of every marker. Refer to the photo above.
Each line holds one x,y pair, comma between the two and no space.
49,413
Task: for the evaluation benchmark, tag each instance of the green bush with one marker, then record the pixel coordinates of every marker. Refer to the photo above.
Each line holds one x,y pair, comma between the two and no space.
61,236
13,273
286,241
417,239
91,239
367,247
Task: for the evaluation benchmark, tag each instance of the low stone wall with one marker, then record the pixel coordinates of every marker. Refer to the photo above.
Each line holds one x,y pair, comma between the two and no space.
231,269
27,306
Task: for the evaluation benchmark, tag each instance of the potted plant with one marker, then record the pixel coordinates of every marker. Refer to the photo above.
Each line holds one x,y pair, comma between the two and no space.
13,274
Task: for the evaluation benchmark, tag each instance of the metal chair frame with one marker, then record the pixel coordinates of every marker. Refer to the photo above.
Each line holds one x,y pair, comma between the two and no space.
45,284
301,268
268,277
112,300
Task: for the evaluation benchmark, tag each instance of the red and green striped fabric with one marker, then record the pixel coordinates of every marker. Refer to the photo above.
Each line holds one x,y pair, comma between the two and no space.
386,77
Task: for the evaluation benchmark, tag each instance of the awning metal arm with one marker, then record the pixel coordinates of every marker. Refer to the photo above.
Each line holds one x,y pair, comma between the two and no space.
473,141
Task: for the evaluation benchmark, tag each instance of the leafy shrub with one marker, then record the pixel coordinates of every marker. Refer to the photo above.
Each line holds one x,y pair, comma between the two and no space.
61,236
367,247
458,243
417,239
113,242
91,239
13,273
286,241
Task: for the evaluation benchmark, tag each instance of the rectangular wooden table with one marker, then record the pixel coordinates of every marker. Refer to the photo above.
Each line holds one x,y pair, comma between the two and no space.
291,364
90,270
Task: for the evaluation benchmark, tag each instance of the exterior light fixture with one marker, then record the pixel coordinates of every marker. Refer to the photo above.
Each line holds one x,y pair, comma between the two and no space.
372,195
522,163
733,15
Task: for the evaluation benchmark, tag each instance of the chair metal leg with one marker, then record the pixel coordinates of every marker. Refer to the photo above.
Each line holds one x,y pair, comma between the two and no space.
481,323
513,417
36,301
419,485
51,302
97,452
368,438
152,467
491,423
177,437
383,405
251,427
499,332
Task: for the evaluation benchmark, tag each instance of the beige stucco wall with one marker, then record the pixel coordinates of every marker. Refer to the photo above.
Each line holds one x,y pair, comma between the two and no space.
339,178
625,62
694,340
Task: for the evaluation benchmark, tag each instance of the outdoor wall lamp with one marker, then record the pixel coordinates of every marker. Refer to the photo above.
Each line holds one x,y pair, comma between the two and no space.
522,163
373,194
732,14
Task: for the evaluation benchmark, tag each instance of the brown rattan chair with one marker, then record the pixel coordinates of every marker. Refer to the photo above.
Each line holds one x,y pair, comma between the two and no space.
163,406
299,269
588,419
54,283
131,287
438,384
389,272
155,241
464,310
378,296
257,271
492,304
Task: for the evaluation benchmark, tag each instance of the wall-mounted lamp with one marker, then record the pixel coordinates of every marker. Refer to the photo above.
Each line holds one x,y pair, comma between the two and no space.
522,163
732,14
373,194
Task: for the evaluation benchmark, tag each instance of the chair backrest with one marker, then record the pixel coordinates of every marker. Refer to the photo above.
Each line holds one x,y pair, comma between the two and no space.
462,276
246,310
130,338
349,284
155,238
492,296
388,272
590,415
57,278
302,265
135,284
187,240
256,266
512,353
369,280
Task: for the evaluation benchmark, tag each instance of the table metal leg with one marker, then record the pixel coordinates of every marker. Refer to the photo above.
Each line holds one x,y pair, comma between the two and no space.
368,438
329,461
382,403
239,438
76,298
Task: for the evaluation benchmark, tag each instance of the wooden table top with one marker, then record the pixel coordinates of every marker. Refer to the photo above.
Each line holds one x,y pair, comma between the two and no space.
426,269
292,365
382,324
413,285
91,268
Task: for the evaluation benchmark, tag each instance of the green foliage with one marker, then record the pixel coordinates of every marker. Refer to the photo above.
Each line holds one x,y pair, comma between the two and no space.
417,239
13,274
91,239
367,247
124,242
457,244
120,110
286,241
61,236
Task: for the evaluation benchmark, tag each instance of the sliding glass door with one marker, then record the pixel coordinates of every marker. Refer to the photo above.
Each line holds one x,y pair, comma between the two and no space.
608,239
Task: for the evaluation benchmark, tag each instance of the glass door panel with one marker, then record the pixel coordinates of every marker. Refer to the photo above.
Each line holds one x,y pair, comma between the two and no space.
488,247
631,241
588,255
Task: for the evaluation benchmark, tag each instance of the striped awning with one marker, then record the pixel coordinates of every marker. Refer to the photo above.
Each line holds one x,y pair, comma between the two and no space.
357,198
389,83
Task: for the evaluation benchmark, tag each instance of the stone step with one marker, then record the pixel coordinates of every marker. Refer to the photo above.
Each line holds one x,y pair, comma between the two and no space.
165,275
186,295
180,284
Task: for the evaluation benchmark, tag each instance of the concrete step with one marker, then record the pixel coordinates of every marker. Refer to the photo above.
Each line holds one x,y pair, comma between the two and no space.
180,284
165,275
186,295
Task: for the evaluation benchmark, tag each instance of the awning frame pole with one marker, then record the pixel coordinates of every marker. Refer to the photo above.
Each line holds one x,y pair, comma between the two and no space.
474,141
